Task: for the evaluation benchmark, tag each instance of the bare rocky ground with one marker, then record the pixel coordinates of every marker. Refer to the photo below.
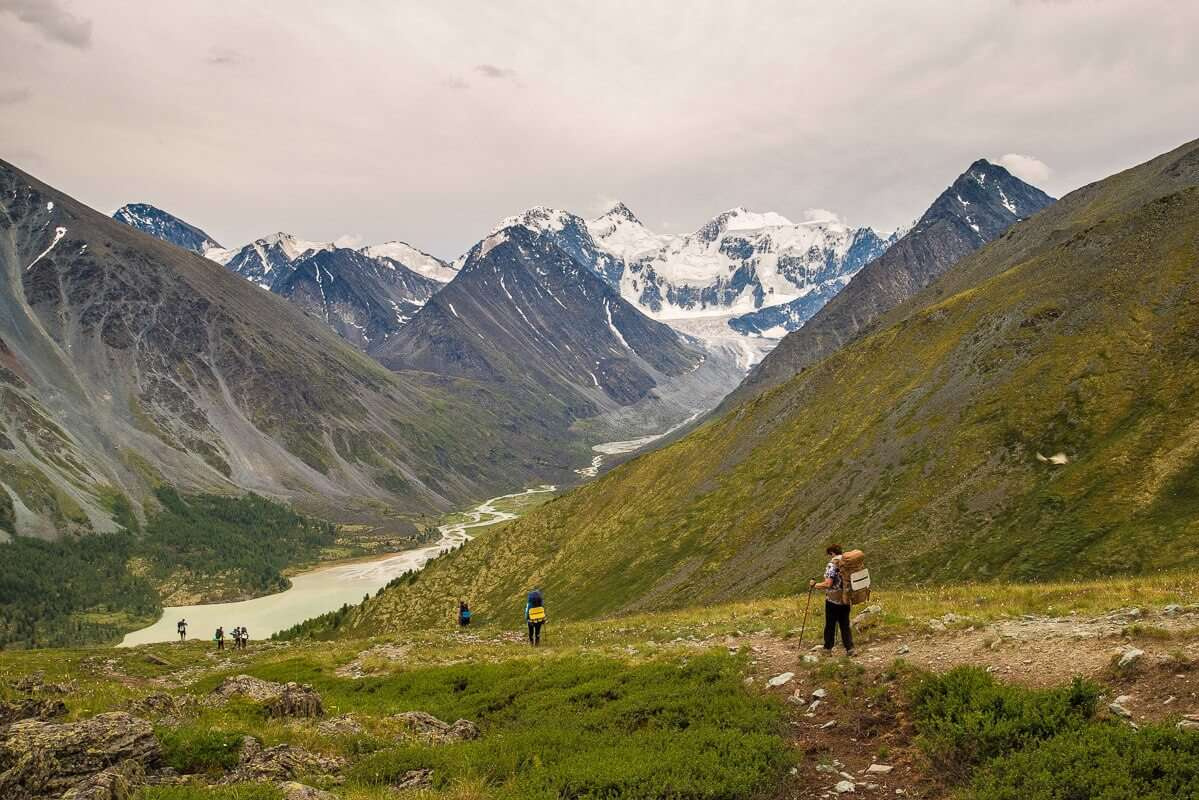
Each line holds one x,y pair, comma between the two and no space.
848,723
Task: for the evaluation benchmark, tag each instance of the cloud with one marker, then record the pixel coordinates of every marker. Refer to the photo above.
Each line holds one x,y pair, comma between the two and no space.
9,97
455,82
821,215
224,57
52,20
350,240
1026,168
496,73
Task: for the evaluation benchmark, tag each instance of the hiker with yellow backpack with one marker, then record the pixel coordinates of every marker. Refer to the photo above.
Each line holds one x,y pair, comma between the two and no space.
535,616
846,581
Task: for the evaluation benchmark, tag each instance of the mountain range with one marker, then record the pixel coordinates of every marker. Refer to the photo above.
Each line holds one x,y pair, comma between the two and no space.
1027,413
128,362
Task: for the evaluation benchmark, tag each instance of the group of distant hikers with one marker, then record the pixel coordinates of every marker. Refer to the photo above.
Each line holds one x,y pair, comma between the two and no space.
240,635
846,582
534,615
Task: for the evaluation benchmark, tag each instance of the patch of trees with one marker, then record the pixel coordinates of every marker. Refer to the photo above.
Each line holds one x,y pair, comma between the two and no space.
81,590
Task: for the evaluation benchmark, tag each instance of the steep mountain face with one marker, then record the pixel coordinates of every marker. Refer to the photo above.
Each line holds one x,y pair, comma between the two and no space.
363,299
1030,414
526,315
127,361
978,207
161,225
364,295
269,259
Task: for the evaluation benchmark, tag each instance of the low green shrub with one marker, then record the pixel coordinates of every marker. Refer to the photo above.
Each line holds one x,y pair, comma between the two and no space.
197,748
577,726
1102,762
964,717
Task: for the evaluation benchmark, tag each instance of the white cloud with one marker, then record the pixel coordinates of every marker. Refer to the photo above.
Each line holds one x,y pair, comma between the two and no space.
1026,168
54,21
821,215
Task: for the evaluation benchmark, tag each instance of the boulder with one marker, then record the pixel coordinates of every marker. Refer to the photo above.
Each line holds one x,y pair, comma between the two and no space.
115,783
296,701
415,779
282,762
291,790
30,708
343,725
245,686
868,617
430,730
47,759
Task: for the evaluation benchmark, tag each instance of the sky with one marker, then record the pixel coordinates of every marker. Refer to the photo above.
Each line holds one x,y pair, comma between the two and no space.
371,120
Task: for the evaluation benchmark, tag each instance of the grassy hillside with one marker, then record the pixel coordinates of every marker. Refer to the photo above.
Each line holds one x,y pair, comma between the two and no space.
930,442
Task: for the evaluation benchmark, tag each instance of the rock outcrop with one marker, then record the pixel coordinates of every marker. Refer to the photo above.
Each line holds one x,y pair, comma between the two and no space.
41,759
282,762
430,730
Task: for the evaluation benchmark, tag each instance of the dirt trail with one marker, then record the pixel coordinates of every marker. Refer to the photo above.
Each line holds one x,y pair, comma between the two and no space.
859,720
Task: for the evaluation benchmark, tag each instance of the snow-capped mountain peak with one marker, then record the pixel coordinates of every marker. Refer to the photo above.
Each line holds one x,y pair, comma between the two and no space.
619,233
539,219
163,225
413,258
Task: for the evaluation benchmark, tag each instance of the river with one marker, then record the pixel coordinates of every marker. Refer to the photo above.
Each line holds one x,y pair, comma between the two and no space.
319,590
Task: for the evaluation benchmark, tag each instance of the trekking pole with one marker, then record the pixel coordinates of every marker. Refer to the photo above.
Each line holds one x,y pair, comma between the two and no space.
804,626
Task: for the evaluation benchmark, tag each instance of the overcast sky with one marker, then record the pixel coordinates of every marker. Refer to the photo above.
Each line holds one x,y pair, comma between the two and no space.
429,122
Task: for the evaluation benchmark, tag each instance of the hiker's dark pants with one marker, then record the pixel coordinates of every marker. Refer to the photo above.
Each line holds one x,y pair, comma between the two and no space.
220,644
836,614
535,632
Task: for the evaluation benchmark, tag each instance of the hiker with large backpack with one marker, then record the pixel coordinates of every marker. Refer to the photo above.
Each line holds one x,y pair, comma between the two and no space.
181,627
535,616
463,614
846,581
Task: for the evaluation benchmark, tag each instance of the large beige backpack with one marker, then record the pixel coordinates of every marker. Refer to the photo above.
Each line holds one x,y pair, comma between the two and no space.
855,578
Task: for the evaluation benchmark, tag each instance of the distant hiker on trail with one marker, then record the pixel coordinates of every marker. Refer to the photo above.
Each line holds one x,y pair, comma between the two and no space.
219,638
237,638
463,614
245,637
181,626
836,602
535,616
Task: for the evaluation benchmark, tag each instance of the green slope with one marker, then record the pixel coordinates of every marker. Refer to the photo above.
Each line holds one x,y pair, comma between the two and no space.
1074,333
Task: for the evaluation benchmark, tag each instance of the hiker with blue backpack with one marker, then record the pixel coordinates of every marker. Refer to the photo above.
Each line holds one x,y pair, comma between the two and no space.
463,614
535,616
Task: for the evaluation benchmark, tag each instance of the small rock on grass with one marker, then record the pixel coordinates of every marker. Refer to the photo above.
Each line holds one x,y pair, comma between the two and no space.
811,659
903,650
1130,657
1189,723
820,694
1119,710
879,769
780,679
844,787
